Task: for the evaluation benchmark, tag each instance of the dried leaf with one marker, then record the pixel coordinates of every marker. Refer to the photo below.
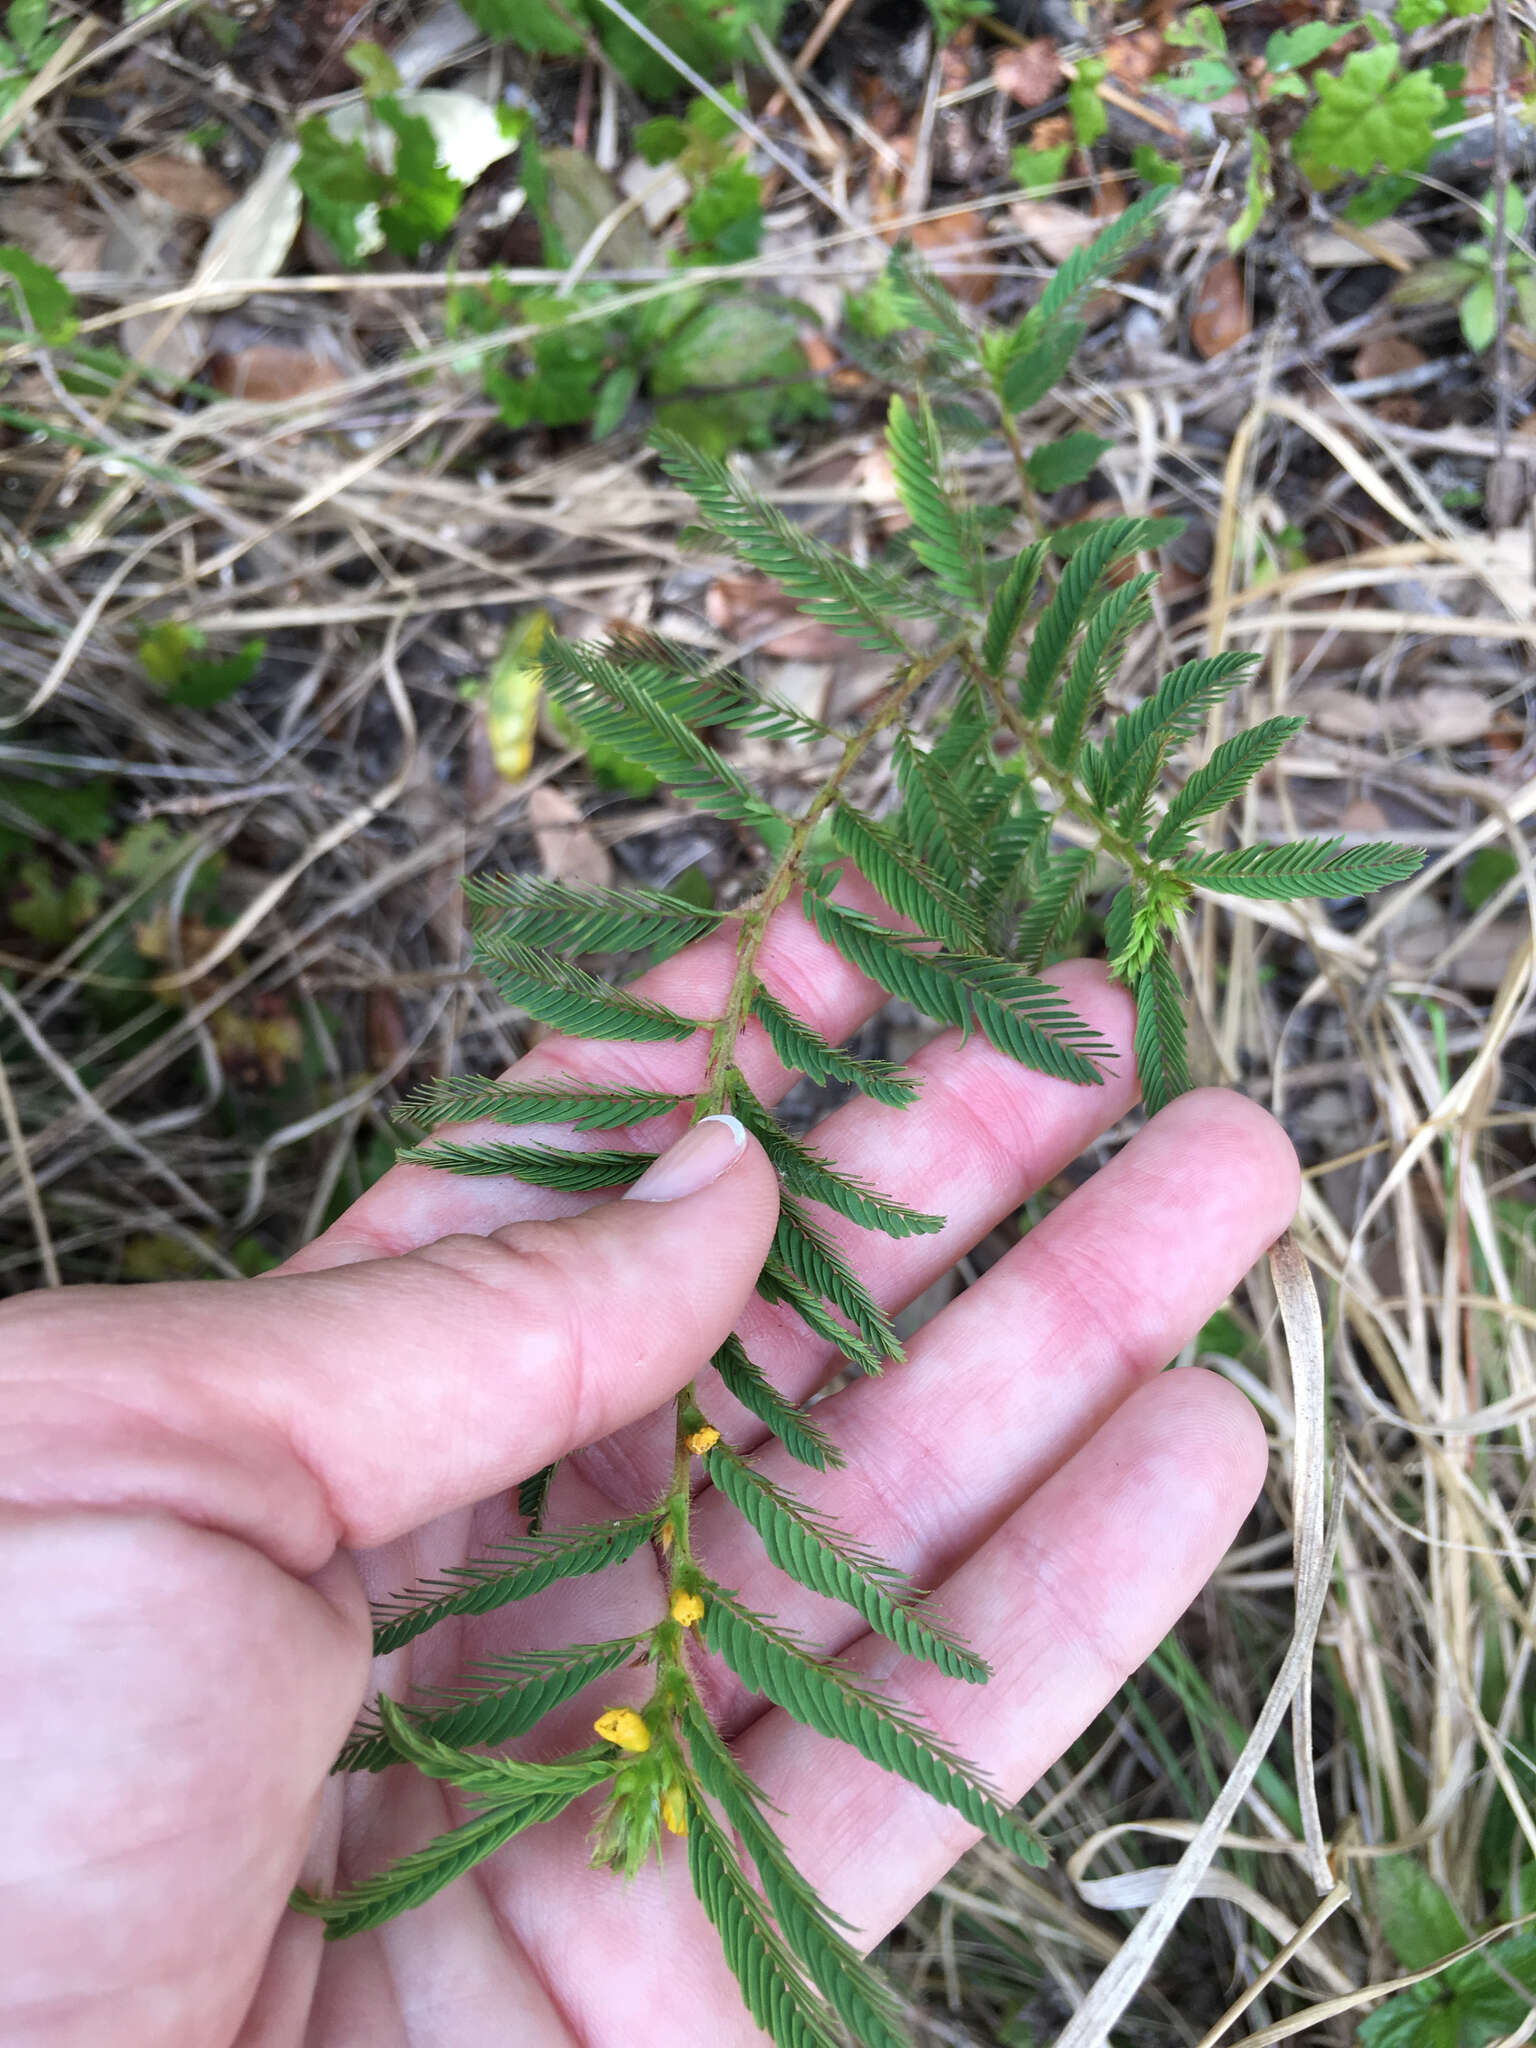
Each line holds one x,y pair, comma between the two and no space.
187,186
1030,74
568,852
955,247
1054,229
1392,242
252,239
1385,354
1221,318
266,373
754,611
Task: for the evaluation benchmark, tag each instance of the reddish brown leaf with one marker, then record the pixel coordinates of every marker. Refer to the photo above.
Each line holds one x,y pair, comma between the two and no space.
267,373
955,247
1029,75
188,187
1221,318
748,608
1385,354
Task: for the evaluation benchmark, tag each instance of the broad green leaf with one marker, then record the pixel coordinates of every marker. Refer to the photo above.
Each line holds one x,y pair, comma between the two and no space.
49,302
1369,117
1288,49
539,27
1067,461
1414,1914
730,372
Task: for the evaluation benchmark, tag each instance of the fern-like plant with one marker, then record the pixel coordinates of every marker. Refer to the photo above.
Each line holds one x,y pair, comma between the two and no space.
1012,785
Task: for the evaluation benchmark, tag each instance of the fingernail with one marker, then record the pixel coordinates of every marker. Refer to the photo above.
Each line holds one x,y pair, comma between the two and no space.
698,1159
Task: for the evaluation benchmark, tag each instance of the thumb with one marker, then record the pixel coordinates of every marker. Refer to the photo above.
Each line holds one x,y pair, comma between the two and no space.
351,1405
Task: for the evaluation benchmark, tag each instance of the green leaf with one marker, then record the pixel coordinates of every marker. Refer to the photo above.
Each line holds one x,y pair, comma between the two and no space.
1126,769
538,26
828,1699
1160,1054
1038,169
1081,588
1485,874
943,541
82,814
1200,29
771,1985
1308,867
936,820
339,182
570,1000
814,1179
49,302
855,1990
725,224
1121,611
1090,121
800,1436
532,1793
540,1166
1225,776
1258,191
812,1551
1037,363
822,582
1153,169
1067,461
515,1571
1370,117
26,22
1010,605
1205,78
536,910
728,373
1289,49
375,69
1055,905
533,1495
905,881
1479,315
1086,269
170,655
804,1050
463,1099
1414,1914
806,1254
615,395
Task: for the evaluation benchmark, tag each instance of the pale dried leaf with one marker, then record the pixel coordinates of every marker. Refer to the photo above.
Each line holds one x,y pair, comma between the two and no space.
186,186
1054,229
1030,74
568,852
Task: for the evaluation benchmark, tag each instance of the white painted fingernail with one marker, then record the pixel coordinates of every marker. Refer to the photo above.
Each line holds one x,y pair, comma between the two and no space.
698,1159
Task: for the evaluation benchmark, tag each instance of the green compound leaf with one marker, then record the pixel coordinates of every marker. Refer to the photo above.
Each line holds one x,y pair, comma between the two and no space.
1098,652
537,911
515,1571
935,819
1160,1054
541,1166
903,878
1087,268
829,1700
800,1436
463,1099
1055,905
943,540
1306,867
1010,605
1372,116
804,1050
533,1495
1125,770
855,1990
776,1994
807,1174
803,1252
1080,589
1226,775
801,1543
824,584
570,999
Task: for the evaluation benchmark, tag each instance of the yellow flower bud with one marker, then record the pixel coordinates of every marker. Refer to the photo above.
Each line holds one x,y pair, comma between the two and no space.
702,1440
625,1727
687,1608
674,1810
667,1537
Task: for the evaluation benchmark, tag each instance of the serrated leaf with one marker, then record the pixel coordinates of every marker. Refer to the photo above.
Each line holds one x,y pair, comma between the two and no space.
1307,867
1226,775
462,1099
811,1550
1160,1055
571,1000
804,1050
537,910
800,1436
1371,116
540,1166
942,539
829,1700
514,1571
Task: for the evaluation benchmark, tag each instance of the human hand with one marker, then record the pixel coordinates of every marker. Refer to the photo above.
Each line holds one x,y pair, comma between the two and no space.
201,1480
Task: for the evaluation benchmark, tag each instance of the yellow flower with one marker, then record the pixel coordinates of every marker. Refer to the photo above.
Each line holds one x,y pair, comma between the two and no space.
674,1810
625,1727
702,1440
687,1608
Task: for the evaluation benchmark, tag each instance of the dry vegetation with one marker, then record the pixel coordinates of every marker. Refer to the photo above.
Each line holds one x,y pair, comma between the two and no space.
240,940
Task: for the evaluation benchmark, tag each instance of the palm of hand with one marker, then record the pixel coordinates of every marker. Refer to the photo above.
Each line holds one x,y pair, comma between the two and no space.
1066,1503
